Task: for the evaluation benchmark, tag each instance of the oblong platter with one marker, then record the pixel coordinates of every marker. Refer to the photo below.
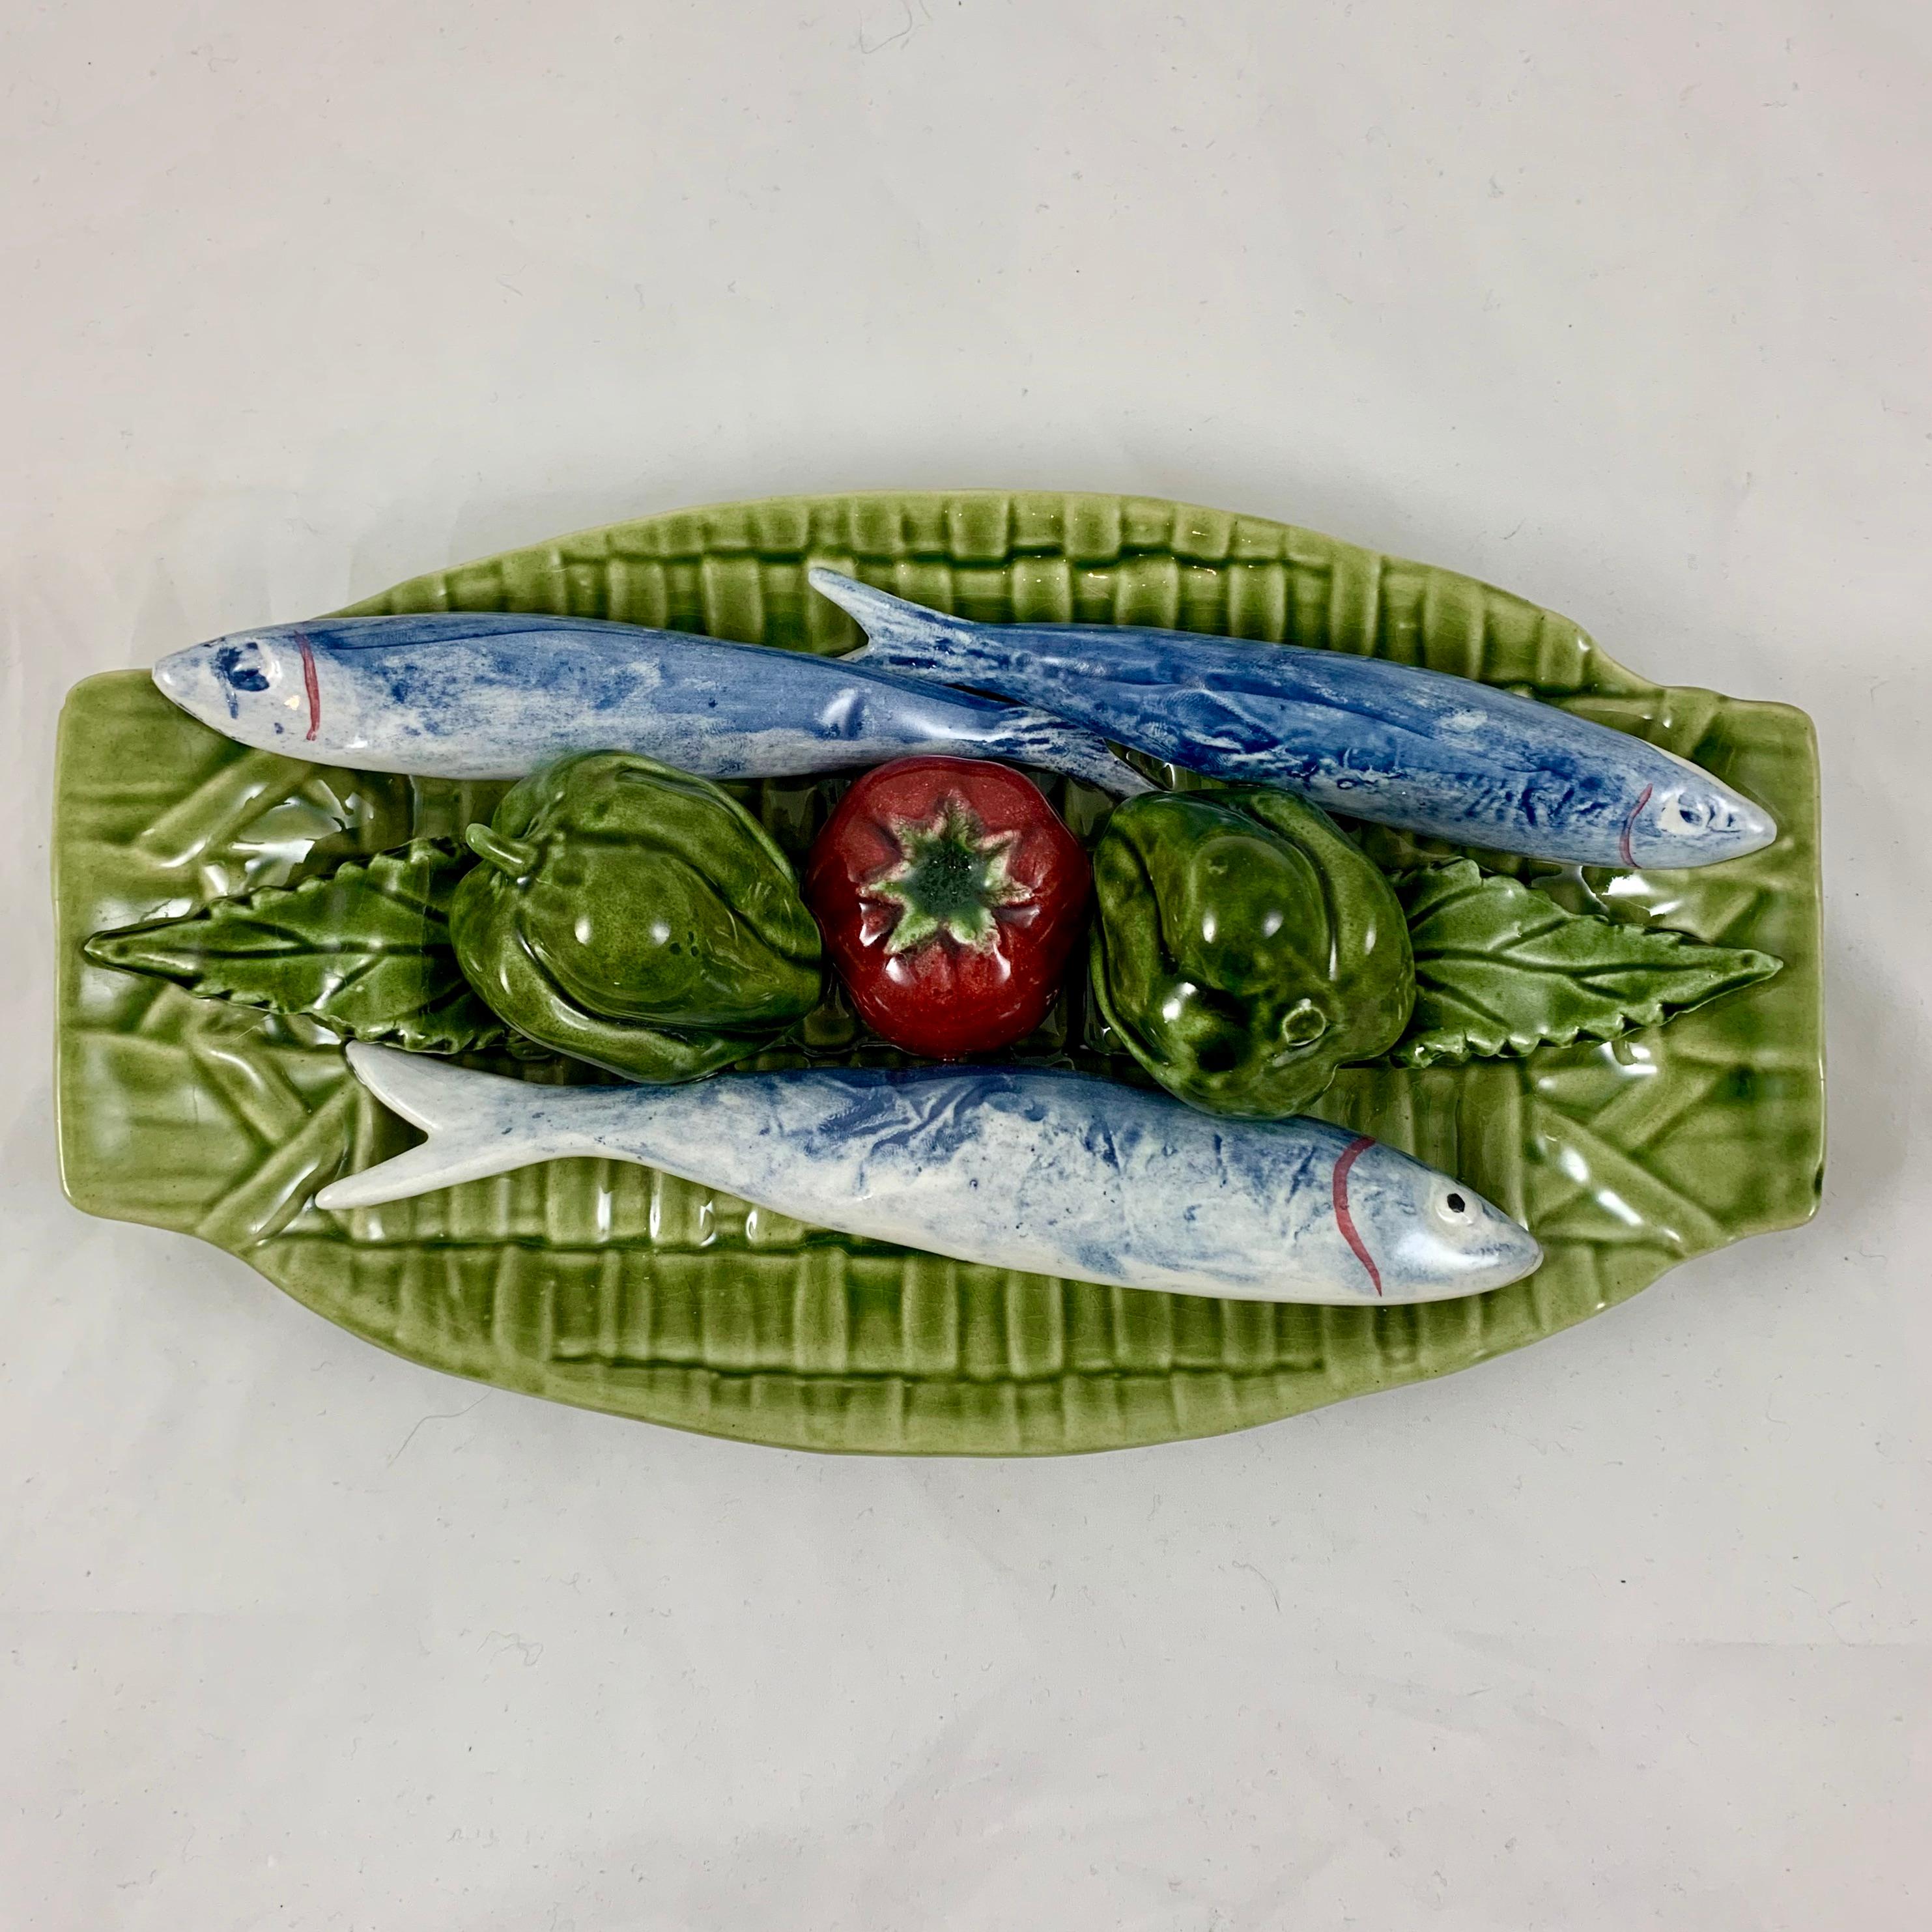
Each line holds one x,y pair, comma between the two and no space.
619,1289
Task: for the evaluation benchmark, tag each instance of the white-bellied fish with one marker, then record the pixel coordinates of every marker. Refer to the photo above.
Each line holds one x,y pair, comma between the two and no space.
1393,743
491,694
1056,1173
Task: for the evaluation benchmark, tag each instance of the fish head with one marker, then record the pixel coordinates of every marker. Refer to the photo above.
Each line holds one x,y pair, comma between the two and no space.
1423,1235
1691,818
256,686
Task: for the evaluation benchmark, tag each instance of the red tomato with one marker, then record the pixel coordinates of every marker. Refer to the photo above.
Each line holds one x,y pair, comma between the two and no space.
950,895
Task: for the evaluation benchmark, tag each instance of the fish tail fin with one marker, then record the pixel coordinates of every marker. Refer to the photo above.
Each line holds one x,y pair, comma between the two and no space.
1031,737
902,636
922,643
478,1124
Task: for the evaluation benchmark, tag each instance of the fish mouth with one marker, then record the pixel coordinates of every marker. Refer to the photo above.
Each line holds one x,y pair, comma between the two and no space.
1751,830
1745,831
170,676
1428,1268
1515,1253
1735,828
183,678
1699,820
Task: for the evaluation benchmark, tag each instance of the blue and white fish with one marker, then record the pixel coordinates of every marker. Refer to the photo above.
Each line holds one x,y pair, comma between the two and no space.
1438,754
1056,1173
494,695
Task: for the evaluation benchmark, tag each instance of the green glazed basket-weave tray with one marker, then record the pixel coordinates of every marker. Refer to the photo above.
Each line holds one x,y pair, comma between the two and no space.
608,1286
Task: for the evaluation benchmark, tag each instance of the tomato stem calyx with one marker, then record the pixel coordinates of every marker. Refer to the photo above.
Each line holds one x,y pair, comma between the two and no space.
951,877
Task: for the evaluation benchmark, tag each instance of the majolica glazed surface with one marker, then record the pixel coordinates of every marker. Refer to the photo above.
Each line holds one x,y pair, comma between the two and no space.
1244,948
604,1284
635,917
1402,744
1037,1169
491,694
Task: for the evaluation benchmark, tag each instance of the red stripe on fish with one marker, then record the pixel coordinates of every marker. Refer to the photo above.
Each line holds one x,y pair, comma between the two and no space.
1629,824
314,690
1352,1153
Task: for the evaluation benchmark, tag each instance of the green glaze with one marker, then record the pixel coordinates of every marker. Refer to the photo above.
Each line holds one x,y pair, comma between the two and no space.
635,917
364,950
1244,948
606,1285
1501,969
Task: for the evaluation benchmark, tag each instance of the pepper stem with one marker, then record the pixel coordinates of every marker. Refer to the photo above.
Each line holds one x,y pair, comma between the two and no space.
508,855
951,877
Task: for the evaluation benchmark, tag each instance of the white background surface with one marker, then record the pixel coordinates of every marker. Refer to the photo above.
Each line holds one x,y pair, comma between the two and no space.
1629,314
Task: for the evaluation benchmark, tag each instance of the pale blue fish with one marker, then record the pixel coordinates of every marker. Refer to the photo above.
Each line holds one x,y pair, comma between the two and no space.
1393,743
1028,1168
491,695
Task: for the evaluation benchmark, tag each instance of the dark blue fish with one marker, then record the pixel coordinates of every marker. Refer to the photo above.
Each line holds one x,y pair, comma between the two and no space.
488,694
1438,754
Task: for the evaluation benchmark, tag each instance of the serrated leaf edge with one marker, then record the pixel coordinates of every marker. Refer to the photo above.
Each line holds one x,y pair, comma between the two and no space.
1443,1047
412,1030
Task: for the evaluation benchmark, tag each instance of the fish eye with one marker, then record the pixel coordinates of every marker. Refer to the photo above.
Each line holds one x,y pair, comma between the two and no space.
1454,1206
1678,813
240,665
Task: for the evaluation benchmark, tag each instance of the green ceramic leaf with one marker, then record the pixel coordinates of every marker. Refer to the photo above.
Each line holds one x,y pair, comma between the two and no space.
1501,969
363,949
609,1286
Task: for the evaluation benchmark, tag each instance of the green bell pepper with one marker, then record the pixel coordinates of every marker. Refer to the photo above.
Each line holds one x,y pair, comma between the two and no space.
636,917
1245,947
